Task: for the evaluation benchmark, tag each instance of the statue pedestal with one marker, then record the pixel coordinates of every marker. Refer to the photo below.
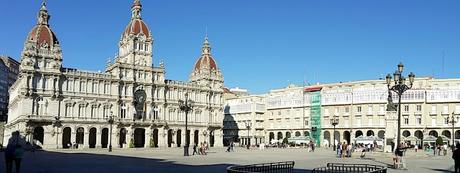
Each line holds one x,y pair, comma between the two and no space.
391,129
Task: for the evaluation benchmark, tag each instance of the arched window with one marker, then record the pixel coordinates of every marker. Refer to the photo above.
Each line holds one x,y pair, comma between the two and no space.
123,110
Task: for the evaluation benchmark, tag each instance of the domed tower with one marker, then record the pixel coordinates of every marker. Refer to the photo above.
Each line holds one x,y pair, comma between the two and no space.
41,49
135,47
206,71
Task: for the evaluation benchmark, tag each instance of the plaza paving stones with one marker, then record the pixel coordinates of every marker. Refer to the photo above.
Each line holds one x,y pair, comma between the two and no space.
170,160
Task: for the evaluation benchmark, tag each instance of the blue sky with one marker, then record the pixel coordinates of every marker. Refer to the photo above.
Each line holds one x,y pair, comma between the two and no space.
258,44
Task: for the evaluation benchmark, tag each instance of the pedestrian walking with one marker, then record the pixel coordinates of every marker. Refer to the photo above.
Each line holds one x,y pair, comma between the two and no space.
344,149
456,157
194,150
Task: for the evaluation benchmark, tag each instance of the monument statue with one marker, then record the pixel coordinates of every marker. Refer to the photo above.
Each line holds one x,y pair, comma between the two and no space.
390,106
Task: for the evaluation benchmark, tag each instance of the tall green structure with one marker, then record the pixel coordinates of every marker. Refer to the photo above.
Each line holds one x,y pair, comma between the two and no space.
315,114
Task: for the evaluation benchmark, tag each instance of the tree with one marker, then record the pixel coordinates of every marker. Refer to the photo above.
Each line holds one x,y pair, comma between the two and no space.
285,140
439,141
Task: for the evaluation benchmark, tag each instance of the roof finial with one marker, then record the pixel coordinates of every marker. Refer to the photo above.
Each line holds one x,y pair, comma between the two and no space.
43,5
136,9
43,15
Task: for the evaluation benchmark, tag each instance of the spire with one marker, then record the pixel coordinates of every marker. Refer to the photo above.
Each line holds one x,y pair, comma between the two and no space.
136,9
206,49
43,16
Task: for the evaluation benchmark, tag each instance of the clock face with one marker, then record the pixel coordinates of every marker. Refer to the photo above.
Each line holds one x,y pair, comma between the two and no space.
140,96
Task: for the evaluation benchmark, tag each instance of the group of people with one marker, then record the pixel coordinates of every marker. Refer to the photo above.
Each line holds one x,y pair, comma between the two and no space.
14,152
344,150
200,150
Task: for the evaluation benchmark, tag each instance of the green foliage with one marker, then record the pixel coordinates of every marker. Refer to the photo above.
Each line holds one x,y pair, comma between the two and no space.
152,143
131,143
439,141
285,140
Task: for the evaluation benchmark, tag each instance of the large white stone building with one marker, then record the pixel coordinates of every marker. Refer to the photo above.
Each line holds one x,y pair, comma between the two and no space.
57,106
360,107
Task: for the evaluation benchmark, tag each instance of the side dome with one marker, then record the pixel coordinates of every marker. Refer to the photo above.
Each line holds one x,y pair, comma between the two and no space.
206,61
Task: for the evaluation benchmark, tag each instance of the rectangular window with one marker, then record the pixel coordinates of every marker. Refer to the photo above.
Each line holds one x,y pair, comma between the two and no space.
445,109
369,121
446,120
358,109
347,109
419,108
406,120
382,109
433,121
433,109
406,108
80,111
369,110
419,120
382,121
358,122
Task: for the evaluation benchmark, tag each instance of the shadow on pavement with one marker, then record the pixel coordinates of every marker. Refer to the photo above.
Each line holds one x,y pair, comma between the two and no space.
59,162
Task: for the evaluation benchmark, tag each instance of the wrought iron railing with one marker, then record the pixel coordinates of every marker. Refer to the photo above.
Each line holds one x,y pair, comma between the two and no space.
350,168
276,167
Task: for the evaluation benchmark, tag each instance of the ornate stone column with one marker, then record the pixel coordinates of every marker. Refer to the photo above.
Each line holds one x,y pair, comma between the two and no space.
391,123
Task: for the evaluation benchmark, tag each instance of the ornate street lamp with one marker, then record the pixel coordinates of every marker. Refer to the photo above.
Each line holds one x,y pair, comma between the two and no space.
110,121
248,126
451,119
399,88
334,122
186,106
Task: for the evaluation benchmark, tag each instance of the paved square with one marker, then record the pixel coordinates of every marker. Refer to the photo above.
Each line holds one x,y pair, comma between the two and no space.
171,160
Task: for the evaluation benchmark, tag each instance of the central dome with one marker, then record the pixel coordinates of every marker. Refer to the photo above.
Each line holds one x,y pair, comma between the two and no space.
137,26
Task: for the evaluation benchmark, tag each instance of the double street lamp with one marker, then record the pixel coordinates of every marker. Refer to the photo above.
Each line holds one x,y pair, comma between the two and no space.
334,122
399,88
248,126
186,106
110,121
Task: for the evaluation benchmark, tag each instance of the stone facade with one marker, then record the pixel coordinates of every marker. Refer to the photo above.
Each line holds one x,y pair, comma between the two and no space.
9,68
56,106
360,107
244,120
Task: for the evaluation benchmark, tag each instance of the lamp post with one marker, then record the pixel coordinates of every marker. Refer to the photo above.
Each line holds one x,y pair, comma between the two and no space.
399,88
334,122
186,106
451,119
110,121
248,126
